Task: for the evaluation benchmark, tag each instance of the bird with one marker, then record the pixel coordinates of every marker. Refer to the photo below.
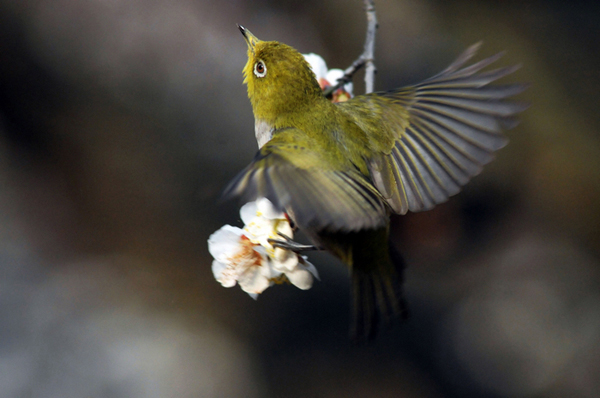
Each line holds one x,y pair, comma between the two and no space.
340,170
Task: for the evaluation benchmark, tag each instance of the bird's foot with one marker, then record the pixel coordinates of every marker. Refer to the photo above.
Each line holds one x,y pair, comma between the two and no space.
288,244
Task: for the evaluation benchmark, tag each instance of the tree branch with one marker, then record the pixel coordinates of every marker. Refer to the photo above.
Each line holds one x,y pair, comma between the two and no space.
366,58
369,52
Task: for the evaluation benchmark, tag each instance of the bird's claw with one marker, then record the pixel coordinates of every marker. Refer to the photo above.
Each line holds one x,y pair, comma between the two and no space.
288,244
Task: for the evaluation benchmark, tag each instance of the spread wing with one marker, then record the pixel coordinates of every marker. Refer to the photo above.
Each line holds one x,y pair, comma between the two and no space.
297,180
434,136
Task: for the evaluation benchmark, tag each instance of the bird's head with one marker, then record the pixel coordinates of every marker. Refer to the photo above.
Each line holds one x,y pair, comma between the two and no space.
278,77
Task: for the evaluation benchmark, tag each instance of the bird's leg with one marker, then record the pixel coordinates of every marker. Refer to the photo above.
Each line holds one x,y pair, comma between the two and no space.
288,244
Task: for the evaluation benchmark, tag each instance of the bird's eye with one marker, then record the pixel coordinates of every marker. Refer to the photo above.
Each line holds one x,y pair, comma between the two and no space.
260,69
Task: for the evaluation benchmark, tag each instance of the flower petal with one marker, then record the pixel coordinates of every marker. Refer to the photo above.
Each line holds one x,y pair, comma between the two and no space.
254,279
248,212
333,75
285,228
224,274
260,230
301,278
267,210
284,260
317,64
225,242
309,267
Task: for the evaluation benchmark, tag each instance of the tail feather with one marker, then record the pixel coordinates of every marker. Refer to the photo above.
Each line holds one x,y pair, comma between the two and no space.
397,283
377,278
378,295
366,316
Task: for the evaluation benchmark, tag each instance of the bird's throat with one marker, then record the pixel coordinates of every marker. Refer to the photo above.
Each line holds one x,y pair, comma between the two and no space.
263,132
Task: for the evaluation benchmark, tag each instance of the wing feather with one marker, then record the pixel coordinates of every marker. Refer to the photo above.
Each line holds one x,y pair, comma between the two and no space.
315,196
455,123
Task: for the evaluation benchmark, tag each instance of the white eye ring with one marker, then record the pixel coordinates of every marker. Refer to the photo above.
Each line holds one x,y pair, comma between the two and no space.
260,69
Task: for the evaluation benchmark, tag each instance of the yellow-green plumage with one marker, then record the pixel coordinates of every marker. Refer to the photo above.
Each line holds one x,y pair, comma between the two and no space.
340,169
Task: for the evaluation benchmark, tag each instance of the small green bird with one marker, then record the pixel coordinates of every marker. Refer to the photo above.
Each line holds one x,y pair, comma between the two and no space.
340,169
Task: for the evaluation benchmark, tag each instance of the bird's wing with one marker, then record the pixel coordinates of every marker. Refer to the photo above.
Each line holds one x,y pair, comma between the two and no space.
296,180
433,137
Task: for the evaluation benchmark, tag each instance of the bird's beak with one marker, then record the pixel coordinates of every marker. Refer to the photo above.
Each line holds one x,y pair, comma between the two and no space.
250,38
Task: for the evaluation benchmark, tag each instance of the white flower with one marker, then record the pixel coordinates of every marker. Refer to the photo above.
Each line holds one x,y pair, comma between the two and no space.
328,78
332,77
317,64
263,222
238,260
245,256
296,268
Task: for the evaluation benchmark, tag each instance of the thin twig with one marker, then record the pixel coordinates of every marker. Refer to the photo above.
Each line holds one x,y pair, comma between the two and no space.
369,52
366,58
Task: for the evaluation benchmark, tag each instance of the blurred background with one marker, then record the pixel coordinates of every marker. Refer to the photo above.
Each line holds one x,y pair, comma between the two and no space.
122,121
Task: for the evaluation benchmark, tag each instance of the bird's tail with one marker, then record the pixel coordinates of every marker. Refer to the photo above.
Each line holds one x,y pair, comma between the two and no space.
378,293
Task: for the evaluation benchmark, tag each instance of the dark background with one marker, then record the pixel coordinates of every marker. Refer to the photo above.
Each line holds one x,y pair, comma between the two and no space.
122,121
